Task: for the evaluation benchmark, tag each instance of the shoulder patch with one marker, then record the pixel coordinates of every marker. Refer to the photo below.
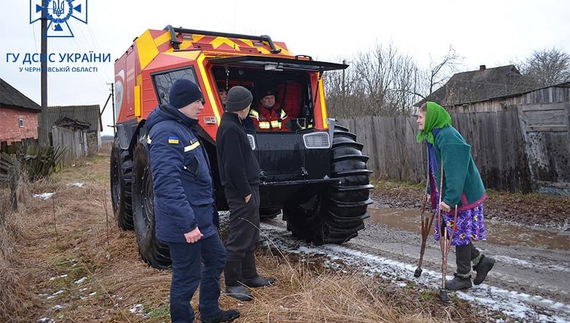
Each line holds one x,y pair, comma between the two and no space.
173,140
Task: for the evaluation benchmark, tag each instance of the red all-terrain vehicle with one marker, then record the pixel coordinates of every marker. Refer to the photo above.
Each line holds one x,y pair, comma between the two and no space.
315,174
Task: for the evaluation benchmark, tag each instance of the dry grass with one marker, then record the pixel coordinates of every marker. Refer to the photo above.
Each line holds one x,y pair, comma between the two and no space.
65,259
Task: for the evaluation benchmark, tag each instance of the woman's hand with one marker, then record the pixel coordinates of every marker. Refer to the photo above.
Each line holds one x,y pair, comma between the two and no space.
444,207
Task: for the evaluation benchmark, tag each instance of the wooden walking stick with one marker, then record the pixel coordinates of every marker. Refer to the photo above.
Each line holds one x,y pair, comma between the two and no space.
445,245
444,240
425,225
425,229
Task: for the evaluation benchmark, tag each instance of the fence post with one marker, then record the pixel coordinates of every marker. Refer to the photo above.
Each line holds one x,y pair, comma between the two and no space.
14,173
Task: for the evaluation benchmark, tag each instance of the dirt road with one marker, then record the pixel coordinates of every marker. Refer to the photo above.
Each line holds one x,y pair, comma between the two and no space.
530,281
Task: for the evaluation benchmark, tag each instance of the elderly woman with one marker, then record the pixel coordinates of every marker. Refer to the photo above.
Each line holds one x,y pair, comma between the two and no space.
462,188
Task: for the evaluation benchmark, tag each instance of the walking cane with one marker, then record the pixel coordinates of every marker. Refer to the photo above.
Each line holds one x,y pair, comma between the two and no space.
425,226
445,245
425,229
444,241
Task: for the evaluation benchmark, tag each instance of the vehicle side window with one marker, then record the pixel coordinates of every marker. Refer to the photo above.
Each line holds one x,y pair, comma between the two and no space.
162,81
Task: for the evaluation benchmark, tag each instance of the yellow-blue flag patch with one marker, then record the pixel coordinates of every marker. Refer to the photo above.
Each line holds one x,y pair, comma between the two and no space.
173,140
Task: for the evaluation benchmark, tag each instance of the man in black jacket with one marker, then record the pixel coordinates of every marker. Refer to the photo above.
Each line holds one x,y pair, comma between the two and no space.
239,175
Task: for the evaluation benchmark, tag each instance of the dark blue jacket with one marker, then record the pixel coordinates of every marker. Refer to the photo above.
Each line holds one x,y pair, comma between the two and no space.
183,186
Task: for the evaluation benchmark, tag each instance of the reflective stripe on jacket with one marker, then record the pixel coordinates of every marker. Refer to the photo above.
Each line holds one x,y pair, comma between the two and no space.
274,119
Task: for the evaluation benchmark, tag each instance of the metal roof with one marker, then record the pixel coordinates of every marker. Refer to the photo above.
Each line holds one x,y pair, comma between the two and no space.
86,114
13,99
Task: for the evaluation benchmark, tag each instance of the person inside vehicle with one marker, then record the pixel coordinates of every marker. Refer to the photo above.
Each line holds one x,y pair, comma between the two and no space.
223,95
268,115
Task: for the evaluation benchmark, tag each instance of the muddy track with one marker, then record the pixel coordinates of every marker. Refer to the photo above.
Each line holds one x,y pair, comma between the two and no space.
530,280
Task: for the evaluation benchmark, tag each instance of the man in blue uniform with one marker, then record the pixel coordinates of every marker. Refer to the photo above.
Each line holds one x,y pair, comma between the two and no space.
185,216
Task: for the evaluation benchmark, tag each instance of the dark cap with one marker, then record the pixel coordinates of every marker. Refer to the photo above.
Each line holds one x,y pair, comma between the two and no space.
266,91
238,98
183,92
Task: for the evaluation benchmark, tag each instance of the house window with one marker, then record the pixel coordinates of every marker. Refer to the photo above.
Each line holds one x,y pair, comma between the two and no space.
21,123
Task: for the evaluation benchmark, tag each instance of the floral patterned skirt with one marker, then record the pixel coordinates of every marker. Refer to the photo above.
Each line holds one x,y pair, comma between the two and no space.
470,225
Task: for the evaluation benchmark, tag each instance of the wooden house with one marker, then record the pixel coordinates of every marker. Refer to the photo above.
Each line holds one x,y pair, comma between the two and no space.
88,116
542,116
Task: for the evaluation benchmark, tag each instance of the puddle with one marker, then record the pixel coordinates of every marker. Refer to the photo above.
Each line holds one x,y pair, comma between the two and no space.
409,220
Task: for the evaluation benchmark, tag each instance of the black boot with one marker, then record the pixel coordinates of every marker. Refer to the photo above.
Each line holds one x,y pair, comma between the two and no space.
225,316
482,268
234,288
458,282
249,273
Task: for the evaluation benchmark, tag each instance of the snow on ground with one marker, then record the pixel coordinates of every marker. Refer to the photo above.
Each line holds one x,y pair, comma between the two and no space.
517,305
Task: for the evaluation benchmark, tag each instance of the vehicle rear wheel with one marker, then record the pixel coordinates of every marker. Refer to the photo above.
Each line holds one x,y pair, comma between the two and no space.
337,214
152,251
269,213
121,186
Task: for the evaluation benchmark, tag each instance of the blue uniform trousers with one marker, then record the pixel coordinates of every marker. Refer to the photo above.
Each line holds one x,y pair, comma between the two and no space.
193,265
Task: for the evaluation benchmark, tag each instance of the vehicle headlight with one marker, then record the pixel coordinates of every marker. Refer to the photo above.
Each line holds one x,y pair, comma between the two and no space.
316,140
251,141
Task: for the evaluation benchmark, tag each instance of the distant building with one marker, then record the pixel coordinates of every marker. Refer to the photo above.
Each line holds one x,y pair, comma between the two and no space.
18,115
84,118
543,114
480,85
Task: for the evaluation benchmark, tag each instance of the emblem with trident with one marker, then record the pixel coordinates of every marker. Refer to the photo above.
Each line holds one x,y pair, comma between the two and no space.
58,7
59,13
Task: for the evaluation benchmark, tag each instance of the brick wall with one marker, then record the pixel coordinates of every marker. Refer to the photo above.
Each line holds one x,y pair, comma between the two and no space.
10,129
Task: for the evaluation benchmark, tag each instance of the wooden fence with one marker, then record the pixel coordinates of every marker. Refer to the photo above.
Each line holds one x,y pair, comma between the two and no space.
503,146
17,146
545,129
74,139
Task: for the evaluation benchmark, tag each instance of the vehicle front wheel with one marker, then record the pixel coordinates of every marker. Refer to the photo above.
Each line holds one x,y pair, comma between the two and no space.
152,251
121,186
337,213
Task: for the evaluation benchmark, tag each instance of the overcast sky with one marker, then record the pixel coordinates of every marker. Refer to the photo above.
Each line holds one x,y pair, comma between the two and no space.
489,32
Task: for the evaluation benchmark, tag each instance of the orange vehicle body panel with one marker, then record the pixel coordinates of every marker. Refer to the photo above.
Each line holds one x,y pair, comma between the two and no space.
153,52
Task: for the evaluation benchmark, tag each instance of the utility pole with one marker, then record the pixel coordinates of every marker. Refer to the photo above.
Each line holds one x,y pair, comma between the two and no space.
113,106
43,135
112,98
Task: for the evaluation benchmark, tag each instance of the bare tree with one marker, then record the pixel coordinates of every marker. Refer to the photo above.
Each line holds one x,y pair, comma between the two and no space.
440,70
547,67
381,82
340,98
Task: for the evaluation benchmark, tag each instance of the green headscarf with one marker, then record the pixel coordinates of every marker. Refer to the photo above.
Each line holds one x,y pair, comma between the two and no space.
436,117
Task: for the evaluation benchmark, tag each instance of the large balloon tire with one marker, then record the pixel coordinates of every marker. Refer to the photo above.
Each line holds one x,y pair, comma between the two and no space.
121,164
337,214
269,213
152,251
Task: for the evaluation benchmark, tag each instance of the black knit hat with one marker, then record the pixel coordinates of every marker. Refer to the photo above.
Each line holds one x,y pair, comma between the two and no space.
265,91
238,98
183,92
